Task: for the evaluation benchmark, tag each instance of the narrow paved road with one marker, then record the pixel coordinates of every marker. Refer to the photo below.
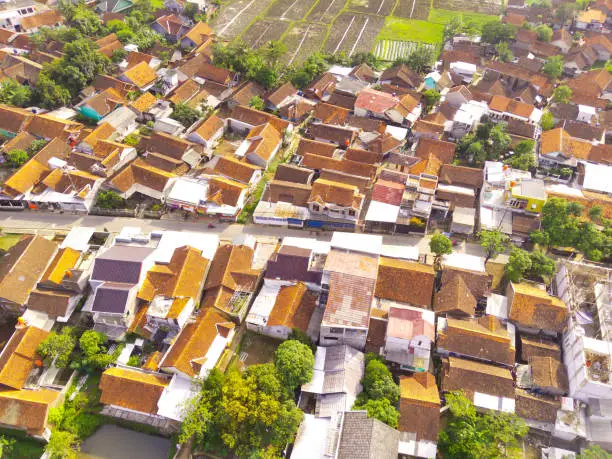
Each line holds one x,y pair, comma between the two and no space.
45,223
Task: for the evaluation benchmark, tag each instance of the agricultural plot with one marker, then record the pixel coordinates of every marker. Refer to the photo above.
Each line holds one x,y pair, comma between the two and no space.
493,7
303,40
325,11
292,10
397,29
235,16
353,33
445,16
413,9
378,7
263,31
390,50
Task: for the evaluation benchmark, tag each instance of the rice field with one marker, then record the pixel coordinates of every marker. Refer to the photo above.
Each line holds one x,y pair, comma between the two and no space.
440,16
390,50
398,29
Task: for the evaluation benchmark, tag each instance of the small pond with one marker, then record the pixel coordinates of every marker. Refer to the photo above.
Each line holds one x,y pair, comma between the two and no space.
113,442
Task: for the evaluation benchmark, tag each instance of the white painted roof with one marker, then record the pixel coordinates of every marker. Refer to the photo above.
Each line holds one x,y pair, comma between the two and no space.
497,305
171,240
189,191
396,132
173,399
311,439
78,238
464,261
307,243
404,252
493,402
365,243
382,212
597,177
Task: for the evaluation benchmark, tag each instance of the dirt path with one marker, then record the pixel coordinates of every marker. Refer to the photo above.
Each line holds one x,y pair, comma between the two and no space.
300,45
236,17
256,42
380,7
412,10
365,24
289,9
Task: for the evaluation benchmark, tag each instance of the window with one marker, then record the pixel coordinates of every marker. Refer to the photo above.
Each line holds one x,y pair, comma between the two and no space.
351,212
336,331
315,207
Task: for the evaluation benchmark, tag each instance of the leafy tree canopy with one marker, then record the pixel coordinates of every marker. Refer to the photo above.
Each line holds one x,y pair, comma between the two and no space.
294,363
17,158
562,94
547,122
494,242
381,409
495,31
543,32
58,347
13,93
554,66
257,103
110,200
184,114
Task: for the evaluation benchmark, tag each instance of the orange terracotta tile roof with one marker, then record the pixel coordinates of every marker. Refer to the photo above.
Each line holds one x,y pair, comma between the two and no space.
192,344
199,33
184,92
224,191
505,104
141,74
142,173
329,192
132,389
264,140
534,307
420,387
293,307
18,356
64,260
405,281
25,178
144,102
210,127
27,409
235,170
102,132
591,15
558,140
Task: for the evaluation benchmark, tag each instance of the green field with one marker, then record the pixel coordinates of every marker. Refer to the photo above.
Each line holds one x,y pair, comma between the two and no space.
398,29
438,16
9,240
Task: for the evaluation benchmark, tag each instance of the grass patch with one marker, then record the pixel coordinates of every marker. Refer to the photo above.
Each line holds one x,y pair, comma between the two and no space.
398,29
440,16
9,240
157,4
24,447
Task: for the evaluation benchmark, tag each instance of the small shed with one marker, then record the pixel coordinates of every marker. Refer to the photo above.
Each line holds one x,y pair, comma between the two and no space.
464,219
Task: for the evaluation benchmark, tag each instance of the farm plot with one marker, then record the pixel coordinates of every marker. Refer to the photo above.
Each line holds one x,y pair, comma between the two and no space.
390,50
303,40
413,9
293,10
353,33
445,16
378,7
397,29
235,16
325,11
263,31
493,7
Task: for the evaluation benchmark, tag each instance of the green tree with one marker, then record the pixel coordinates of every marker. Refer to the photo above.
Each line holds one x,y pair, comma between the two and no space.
495,31
432,97
7,445
575,208
562,229
95,352
547,121
518,264
17,158
539,237
190,10
294,363
13,93
494,242
554,66
62,445
200,411
58,347
542,267
543,32
499,142
469,434
184,114
523,156
257,103
86,20
440,245
273,51
594,452
421,58
595,213
36,146
378,383
49,94
565,12
562,94
503,52
381,409
110,200
298,335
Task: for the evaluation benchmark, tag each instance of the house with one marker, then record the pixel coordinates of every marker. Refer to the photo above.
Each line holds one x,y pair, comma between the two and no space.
419,408
238,171
141,75
322,87
504,108
460,291
349,280
336,381
602,46
400,75
208,132
100,105
281,96
200,34
114,281
49,127
280,309
171,26
172,290
261,145
32,24
104,159
231,281
562,39
590,19
363,437
200,345
405,282
487,386
242,119
13,120
21,268
484,339
343,137
334,201
162,148
410,333
401,110
14,12
141,177
533,310
330,114
109,45
23,405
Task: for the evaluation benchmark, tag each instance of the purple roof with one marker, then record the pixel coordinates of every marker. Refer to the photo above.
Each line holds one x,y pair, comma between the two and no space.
291,264
111,298
120,264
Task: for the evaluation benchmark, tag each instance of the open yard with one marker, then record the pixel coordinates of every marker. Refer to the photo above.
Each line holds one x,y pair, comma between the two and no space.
353,33
292,10
438,16
256,349
378,7
263,31
235,16
303,40
398,29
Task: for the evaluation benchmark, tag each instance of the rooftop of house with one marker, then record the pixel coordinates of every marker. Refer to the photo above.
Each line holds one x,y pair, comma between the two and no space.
533,307
405,281
132,389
